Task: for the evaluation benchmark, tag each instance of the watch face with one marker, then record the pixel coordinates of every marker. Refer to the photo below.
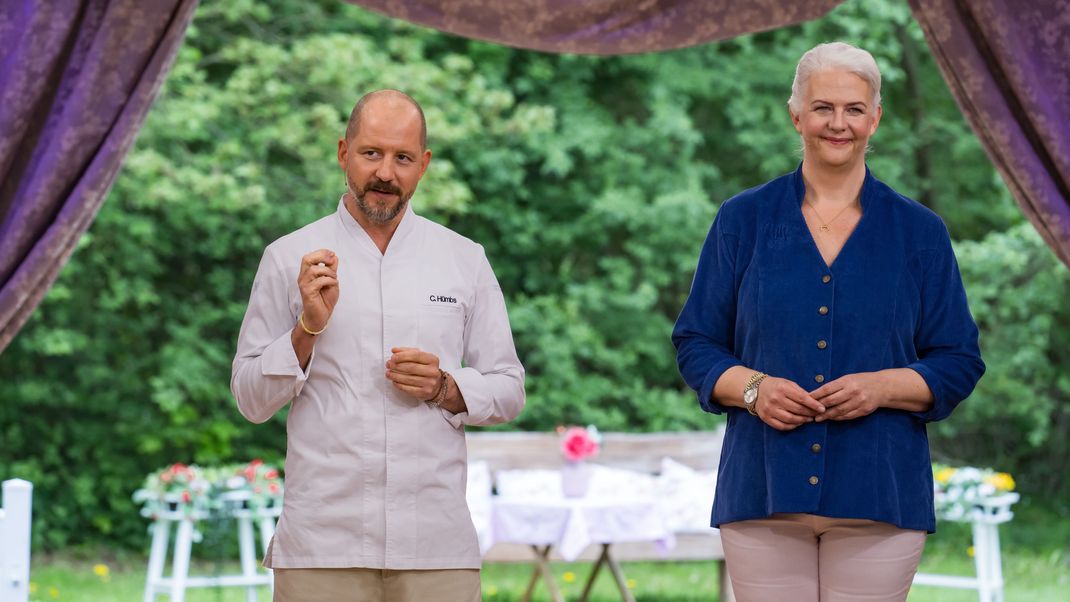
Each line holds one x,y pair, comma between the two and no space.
750,396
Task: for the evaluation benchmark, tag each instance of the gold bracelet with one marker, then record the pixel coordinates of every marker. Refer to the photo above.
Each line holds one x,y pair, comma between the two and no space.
301,321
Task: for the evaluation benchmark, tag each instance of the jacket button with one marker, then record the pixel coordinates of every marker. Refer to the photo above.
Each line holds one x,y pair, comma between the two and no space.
813,480
815,447
826,278
823,310
819,378
822,344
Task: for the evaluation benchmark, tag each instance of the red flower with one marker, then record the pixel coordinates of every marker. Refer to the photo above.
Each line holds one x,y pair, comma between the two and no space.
273,487
271,474
578,444
186,497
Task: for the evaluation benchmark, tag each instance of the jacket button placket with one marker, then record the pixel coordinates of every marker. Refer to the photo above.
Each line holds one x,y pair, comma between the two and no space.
823,359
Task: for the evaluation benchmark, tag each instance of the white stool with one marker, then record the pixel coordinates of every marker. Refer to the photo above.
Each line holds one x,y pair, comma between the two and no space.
985,519
235,506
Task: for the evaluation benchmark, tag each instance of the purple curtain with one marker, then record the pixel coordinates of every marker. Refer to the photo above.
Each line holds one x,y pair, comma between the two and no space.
77,78
1008,65
601,26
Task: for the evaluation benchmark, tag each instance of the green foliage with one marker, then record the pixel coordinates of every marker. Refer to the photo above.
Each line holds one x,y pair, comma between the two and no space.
1018,419
591,181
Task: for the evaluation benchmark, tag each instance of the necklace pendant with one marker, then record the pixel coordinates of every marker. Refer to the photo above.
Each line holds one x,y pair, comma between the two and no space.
825,228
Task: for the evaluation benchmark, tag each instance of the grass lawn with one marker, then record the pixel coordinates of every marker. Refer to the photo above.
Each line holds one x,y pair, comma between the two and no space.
1031,576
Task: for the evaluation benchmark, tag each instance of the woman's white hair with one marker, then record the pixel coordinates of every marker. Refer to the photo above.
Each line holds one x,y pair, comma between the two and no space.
834,55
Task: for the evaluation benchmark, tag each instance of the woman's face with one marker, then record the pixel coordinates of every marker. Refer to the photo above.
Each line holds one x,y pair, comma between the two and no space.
836,119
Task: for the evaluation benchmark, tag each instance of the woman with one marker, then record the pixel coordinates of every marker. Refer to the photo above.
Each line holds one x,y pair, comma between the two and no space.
828,319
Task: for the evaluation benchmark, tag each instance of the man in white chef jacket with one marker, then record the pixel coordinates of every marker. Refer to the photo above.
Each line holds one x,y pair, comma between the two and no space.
389,333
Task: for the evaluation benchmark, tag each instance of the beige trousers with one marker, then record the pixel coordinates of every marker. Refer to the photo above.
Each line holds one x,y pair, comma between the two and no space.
376,585
809,558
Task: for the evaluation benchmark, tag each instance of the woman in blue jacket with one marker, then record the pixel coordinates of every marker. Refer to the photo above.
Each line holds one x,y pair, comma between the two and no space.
828,319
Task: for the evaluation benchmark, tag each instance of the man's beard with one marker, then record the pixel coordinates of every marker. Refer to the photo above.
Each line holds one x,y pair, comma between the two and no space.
382,213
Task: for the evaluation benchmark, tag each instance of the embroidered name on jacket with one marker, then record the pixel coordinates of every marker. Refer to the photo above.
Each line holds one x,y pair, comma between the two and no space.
443,299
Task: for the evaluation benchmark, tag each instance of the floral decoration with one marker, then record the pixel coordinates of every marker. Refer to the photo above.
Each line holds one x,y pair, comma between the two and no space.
958,491
579,443
197,491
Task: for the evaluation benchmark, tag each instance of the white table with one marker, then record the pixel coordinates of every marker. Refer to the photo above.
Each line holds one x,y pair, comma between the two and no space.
570,525
235,506
985,519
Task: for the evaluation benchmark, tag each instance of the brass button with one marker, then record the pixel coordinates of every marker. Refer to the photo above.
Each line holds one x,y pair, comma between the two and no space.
813,480
823,310
826,278
819,378
815,447
822,344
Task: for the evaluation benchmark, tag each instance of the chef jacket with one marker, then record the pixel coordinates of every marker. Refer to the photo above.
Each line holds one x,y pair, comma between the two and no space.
764,298
374,477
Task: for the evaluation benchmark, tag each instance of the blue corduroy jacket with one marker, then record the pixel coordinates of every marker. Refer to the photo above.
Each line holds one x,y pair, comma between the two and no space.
763,297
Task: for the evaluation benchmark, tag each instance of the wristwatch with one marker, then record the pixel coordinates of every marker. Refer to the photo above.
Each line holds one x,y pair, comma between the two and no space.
750,392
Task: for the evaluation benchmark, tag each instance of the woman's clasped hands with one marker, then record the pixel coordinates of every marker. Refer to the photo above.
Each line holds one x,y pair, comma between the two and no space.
784,405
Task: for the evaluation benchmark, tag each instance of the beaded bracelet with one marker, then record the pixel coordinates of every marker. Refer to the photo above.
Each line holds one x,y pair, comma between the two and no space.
443,389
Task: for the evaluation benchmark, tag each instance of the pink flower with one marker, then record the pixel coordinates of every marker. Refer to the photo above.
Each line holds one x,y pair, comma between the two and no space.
578,444
271,474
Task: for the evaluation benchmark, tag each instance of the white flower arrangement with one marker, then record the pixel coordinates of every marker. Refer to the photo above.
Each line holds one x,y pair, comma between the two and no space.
195,491
959,492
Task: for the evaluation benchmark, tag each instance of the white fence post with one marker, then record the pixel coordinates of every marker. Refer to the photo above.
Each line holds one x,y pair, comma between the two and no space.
15,541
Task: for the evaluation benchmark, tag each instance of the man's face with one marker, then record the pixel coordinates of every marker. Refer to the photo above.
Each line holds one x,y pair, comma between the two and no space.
383,162
837,119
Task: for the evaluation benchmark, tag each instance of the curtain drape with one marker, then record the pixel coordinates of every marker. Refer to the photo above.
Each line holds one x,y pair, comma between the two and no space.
1007,63
77,78
601,26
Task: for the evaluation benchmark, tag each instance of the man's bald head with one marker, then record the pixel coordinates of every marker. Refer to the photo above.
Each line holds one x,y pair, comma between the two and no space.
387,96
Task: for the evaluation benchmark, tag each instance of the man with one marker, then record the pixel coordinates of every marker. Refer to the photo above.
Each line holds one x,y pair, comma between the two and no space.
389,333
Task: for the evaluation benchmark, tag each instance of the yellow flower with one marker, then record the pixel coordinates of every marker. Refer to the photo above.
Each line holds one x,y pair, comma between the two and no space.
492,591
53,592
630,583
1001,481
944,475
569,576
100,570
33,587
970,551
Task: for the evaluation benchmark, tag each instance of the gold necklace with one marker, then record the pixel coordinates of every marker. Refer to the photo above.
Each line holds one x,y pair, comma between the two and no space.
826,225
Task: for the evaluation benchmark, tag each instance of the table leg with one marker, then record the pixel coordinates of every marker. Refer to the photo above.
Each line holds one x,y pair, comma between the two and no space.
587,587
542,567
995,562
161,532
247,553
618,575
267,531
180,563
981,559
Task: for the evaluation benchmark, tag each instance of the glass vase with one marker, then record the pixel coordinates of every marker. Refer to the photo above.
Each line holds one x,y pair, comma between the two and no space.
575,477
